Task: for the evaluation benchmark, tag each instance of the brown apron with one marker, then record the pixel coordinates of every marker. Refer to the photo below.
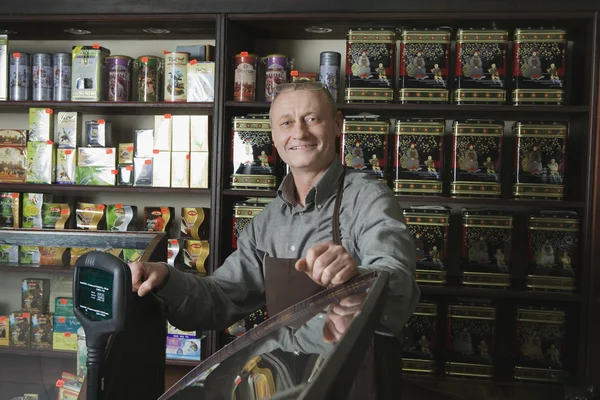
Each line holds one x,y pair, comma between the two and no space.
286,286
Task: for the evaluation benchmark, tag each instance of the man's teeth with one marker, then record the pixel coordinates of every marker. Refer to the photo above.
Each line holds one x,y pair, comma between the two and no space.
302,147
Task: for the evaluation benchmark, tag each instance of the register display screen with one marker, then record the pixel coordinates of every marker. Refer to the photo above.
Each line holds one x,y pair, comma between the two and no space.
96,294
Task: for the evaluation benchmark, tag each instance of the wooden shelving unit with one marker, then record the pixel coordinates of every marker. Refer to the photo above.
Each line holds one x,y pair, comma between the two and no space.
111,108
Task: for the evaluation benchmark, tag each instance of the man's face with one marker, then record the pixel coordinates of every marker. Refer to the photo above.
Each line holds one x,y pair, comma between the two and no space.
304,129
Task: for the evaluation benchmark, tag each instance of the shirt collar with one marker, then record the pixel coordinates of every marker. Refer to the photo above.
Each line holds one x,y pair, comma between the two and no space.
325,187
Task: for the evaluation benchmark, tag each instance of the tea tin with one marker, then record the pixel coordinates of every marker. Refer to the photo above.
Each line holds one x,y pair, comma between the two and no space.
476,158
364,144
424,65
419,156
470,341
42,76
253,154
480,66
540,162
20,77
370,65
329,72
540,345
89,70
175,76
539,67
61,63
243,212
277,66
486,248
149,72
244,84
119,77
552,252
14,160
3,67
430,226
419,341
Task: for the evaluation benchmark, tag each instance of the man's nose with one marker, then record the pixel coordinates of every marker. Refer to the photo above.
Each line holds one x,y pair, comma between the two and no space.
300,131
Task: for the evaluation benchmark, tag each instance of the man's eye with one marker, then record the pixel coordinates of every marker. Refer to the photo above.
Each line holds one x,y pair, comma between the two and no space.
286,123
311,119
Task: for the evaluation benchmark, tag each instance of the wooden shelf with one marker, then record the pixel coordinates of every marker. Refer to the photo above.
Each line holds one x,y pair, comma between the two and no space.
35,268
182,363
250,193
407,200
111,108
499,293
448,111
39,353
30,187
438,379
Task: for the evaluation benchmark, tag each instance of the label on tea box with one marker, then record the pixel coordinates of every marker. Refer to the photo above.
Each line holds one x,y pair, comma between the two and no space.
32,209
67,129
63,306
41,331
4,330
96,157
158,219
15,160
96,176
90,216
126,151
29,255
34,293
55,215
195,223
120,218
19,323
9,210
40,125
40,159
53,255
142,168
13,137
195,253
66,166
9,253
125,177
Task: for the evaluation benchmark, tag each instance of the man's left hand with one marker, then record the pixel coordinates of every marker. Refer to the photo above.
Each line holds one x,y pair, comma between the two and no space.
328,264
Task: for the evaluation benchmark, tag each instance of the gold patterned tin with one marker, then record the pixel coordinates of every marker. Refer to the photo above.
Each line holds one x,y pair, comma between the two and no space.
470,341
486,248
430,225
419,156
253,155
424,65
370,65
419,342
243,212
540,162
539,66
552,253
364,144
540,345
476,158
480,66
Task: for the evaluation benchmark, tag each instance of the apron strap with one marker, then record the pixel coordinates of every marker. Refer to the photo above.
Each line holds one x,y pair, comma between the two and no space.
335,229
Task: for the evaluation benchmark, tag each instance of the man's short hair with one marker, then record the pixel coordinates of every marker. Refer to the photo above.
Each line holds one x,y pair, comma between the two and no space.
323,89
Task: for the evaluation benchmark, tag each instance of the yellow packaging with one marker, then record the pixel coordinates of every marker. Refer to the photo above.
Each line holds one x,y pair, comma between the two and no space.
195,253
180,140
195,222
90,216
161,169
29,255
77,252
4,331
199,133
199,169
53,255
163,128
180,169
126,151
15,159
32,209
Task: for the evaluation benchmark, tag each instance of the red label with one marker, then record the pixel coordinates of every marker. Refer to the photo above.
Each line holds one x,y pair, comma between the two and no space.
49,142
155,151
164,210
26,315
65,211
63,301
145,59
130,148
114,171
100,122
2,319
67,334
108,151
165,52
62,320
174,241
68,152
193,62
100,206
129,168
119,205
187,156
294,73
60,383
96,46
15,195
244,54
49,111
196,246
167,116
16,55
148,162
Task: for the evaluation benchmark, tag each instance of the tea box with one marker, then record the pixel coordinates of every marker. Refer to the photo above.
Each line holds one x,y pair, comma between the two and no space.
419,156
419,341
181,173
486,248
10,210
67,129
470,341
9,253
370,61
180,138
430,225
199,129
298,76
540,163
364,144
182,345
66,167
161,168
144,142
476,158
90,216
120,218
195,253
4,330
97,133
40,164
63,306
540,345
195,223
201,81
243,212
3,67
19,325
35,294
174,255
175,76
32,209
29,255
480,66
95,176
142,171
158,219
65,333
55,256
125,176
253,155
41,331
41,128
132,255
126,152
13,137
96,157
199,167
13,164
552,252
55,215
539,66
424,65
77,252
162,133
89,73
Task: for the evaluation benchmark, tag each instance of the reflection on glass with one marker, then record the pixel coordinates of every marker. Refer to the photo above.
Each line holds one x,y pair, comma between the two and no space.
283,353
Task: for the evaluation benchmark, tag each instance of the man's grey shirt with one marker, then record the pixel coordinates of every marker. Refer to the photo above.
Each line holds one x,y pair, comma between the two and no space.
373,232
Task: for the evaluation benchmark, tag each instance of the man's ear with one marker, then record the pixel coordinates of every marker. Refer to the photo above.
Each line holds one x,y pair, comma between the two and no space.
339,122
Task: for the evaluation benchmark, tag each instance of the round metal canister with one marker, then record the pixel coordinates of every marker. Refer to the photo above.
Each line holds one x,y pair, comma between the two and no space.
329,72
119,77
42,76
176,76
62,76
277,66
149,78
20,71
244,87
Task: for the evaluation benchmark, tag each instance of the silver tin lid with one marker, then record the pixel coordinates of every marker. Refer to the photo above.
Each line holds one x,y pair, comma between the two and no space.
330,58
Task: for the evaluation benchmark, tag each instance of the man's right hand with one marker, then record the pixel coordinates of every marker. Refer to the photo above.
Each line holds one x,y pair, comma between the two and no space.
146,276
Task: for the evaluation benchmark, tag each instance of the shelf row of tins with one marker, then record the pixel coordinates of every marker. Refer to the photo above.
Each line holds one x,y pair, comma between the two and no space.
417,160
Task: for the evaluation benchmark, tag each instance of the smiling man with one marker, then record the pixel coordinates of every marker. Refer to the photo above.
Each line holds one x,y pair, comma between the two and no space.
327,224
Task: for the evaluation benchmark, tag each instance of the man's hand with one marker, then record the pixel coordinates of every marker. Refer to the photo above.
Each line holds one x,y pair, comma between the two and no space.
145,276
340,316
328,264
